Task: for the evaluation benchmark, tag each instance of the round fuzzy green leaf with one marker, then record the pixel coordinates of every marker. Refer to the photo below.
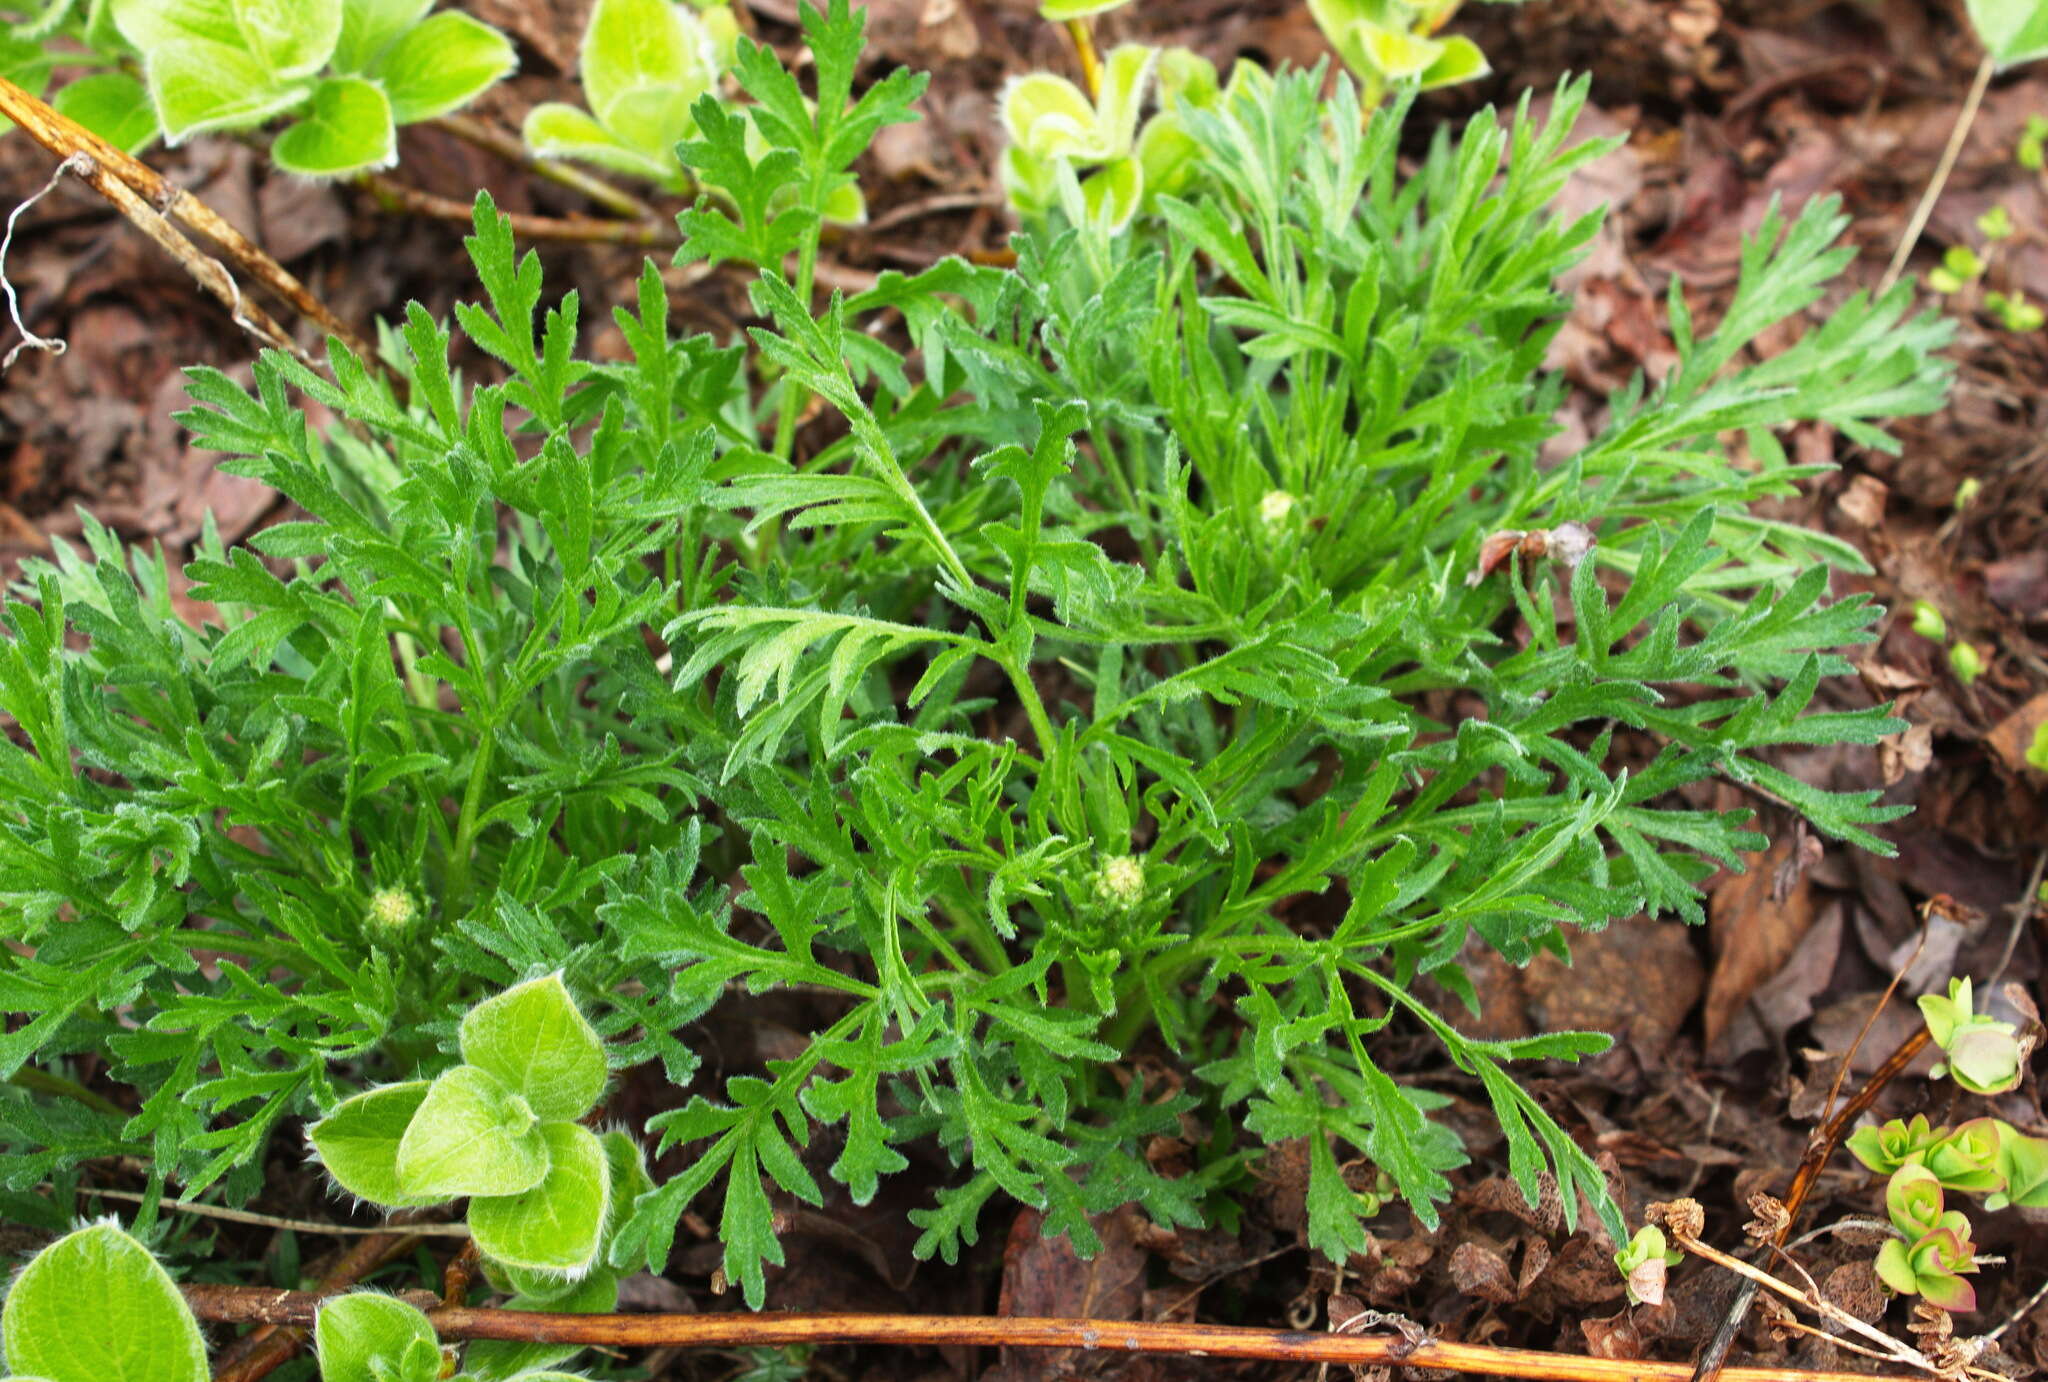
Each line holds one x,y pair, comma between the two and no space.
368,27
443,65
494,1359
1396,54
114,106
2012,31
1460,61
555,130
535,1041
846,205
353,1332
283,38
1064,11
197,85
1048,117
94,1306
555,1226
358,1142
471,1136
630,45
627,1165
654,119
349,129
1112,193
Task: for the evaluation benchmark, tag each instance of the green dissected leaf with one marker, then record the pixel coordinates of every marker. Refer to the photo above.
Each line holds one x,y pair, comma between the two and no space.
94,1306
533,1039
114,106
348,129
365,1337
471,1136
358,1142
441,65
556,1225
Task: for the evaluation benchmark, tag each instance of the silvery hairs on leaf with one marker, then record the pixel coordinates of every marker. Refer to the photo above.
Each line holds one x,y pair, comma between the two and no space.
95,1306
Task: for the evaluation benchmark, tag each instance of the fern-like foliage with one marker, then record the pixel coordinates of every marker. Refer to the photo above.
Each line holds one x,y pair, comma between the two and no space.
1112,606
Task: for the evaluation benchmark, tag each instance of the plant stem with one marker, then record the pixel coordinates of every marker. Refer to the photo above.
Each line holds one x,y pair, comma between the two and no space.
43,1082
768,539
1925,209
456,898
1083,35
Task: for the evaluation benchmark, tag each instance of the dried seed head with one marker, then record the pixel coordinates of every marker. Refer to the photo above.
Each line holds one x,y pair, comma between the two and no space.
1771,1219
1685,1218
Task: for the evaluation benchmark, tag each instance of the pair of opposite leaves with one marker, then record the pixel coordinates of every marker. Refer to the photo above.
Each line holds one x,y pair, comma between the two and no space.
500,1128
95,1306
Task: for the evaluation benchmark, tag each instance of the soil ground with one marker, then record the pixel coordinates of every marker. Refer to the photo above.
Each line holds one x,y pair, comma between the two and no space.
1731,1035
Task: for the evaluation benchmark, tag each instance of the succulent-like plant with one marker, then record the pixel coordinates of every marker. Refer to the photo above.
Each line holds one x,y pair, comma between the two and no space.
1887,1147
1981,1053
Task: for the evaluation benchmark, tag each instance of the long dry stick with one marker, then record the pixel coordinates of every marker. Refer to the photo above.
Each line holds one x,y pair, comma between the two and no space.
246,1304
147,198
1818,1150
263,1352
1954,149
396,196
616,200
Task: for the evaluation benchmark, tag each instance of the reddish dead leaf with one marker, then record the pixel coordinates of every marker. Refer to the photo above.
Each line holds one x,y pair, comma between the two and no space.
2011,737
2019,584
1754,932
1614,1337
1862,502
1482,1272
1045,1276
1901,754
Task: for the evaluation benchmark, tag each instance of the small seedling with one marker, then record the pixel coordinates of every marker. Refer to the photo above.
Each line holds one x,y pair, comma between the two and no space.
1982,1053
2033,139
500,1128
1928,623
1389,44
1643,1264
345,74
1965,662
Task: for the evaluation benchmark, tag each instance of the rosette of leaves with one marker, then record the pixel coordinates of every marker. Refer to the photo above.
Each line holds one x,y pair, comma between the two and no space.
1888,1146
1933,1251
349,72
95,1306
499,1128
644,66
369,1337
1390,43
2022,1169
1056,131
1980,1052
106,100
1966,1160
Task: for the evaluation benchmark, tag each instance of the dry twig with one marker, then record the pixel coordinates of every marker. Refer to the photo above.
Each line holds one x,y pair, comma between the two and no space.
252,1304
151,201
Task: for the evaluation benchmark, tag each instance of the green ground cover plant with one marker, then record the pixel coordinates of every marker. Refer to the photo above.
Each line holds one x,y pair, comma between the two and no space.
1011,711
345,74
